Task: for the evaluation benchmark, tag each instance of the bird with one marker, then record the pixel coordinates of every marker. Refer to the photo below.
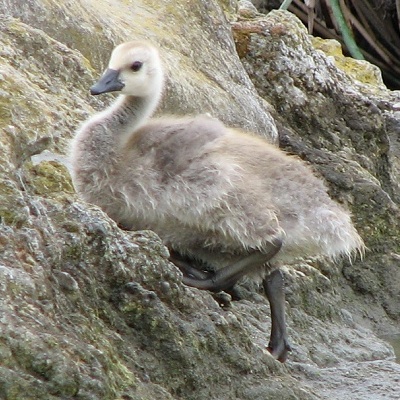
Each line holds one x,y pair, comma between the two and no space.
227,204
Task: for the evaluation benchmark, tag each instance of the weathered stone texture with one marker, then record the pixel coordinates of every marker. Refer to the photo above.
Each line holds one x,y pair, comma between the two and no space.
88,311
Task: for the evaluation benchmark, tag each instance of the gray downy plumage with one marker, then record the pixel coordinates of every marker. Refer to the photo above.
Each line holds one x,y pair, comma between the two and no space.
216,196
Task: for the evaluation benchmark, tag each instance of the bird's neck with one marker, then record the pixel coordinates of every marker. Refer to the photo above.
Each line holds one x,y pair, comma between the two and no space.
101,139
127,114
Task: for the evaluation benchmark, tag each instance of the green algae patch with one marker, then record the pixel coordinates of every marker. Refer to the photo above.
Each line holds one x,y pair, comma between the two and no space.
5,112
13,209
50,177
361,70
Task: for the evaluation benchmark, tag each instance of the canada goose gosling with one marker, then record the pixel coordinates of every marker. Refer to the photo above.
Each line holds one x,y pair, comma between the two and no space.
226,203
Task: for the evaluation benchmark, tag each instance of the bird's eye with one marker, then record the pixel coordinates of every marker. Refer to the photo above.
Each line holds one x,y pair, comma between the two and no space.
136,66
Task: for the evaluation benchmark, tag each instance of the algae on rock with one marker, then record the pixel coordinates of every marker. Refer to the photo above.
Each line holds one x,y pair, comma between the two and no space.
89,311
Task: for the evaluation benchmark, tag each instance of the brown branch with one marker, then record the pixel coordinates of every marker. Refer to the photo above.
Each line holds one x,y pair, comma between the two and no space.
320,28
371,21
374,43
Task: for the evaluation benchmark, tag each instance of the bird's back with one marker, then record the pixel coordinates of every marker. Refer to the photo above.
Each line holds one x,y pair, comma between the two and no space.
196,182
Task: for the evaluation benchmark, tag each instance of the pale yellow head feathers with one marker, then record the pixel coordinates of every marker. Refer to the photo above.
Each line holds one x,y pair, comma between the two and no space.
134,69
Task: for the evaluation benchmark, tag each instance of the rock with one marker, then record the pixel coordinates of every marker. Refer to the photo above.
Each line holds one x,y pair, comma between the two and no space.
345,129
379,381
89,311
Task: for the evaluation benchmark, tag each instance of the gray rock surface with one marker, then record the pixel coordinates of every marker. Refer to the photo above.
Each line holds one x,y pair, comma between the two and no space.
92,312
347,130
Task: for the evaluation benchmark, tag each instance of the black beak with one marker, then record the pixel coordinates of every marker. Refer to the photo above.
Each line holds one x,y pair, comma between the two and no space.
109,82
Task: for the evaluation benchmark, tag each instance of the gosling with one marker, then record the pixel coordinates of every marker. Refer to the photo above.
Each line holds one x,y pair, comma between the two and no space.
216,196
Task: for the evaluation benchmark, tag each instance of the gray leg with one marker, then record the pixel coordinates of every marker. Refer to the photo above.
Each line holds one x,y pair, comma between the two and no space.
192,268
187,268
274,289
225,278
